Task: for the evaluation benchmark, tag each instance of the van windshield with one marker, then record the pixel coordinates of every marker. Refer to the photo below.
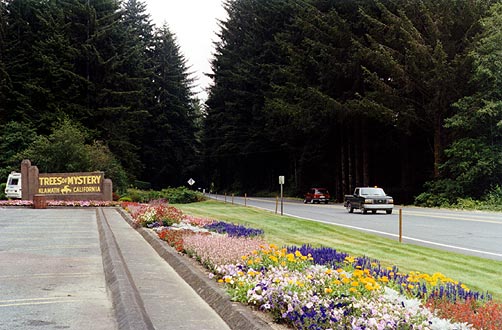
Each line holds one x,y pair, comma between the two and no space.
14,182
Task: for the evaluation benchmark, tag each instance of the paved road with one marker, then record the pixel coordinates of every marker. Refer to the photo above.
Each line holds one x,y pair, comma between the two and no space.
469,232
51,271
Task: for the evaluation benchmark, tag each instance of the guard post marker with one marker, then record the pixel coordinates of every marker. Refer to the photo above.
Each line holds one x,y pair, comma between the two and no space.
400,225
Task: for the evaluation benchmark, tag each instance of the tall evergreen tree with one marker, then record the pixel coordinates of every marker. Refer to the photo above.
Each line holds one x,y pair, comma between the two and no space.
236,143
474,163
169,149
4,76
414,62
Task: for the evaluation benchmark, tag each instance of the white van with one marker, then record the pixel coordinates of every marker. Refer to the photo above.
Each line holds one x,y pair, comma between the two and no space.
13,187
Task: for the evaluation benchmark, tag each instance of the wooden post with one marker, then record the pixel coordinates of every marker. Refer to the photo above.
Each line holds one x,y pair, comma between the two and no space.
245,199
225,198
276,203
232,199
400,225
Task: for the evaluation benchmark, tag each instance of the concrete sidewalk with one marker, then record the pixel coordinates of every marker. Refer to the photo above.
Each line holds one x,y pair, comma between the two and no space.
51,271
153,287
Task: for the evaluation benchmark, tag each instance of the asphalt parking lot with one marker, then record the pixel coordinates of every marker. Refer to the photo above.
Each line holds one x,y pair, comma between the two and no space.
51,271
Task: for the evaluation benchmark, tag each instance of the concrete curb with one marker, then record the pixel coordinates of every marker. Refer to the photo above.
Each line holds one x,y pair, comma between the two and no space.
128,306
236,315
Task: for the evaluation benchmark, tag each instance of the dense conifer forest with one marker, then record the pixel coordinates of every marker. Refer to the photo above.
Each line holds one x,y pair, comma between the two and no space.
406,95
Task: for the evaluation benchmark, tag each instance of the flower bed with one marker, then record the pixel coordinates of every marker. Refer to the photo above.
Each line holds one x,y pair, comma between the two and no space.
58,203
321,288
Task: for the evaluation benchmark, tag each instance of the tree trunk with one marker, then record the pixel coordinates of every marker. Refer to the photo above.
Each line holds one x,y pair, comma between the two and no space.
366,167
357,153
342,161
438,145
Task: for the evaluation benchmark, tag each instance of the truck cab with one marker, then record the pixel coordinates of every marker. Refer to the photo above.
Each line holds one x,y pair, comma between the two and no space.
13,188
369,198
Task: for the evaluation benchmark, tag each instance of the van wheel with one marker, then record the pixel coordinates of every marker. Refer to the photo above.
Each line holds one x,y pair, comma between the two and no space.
312,201
304,201
388,211
373,211
364,211
349,208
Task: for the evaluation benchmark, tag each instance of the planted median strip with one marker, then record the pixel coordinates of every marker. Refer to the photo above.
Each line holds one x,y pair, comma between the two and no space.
311,286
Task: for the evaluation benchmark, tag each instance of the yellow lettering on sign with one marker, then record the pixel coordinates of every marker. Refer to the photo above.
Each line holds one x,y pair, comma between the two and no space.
86,189
48,190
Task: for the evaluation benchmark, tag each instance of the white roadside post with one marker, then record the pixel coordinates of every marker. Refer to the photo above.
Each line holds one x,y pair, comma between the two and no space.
281,182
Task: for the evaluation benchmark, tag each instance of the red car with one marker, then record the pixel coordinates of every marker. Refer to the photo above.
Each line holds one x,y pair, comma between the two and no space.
317,195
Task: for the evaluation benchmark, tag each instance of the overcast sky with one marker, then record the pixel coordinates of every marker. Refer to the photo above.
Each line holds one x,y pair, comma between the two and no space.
194,22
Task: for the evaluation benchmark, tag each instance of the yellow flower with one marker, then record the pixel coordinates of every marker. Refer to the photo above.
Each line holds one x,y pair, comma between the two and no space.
328,271
220,280
384,279
328,290
354,283
353,290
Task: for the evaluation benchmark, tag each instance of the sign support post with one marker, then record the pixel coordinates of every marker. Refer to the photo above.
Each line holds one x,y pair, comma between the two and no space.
281,182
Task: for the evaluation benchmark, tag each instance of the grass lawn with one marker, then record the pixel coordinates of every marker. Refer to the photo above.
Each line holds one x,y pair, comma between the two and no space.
477,273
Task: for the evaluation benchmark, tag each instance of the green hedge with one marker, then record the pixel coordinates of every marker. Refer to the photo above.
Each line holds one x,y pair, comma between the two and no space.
180,195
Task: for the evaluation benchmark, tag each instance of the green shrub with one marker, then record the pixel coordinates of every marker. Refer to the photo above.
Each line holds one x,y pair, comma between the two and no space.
180,195
2,190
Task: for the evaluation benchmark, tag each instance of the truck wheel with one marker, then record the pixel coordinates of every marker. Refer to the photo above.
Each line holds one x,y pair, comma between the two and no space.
312,201
304,201
364,211
349,208
373,211
388,211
